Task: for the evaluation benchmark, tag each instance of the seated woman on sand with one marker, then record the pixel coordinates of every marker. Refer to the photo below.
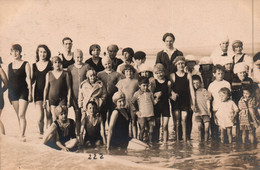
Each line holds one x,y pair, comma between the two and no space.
61,135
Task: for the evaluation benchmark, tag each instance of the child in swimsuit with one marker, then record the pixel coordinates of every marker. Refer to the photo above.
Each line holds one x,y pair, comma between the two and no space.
160,87
57,87
180,96
77,72
61,134
118,132
42,66
129,86
93,126
110,78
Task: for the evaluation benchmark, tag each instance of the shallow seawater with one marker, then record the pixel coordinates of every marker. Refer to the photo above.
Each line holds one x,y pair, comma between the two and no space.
193,155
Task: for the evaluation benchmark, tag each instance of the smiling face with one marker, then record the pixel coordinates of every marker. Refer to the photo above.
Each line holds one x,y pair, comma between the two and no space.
107,64
67,44
246,94
219,75
92,76
129,73
78,57
241,75
42,54
120,103
169,42
16,54
160,75
180,65
196,84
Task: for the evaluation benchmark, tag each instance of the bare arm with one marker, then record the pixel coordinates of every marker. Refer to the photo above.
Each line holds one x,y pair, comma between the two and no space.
46,89
4,79
28,81
82,128
50,133
111,127
192,91
68,82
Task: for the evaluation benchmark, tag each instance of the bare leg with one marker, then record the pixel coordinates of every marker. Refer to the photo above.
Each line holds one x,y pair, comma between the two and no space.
243,136
206,128
165,129
39,109
77,120
48,117
54,117
16,108
229,134
23,104
251,136
178,123
222,135
2,128
199,131
183,122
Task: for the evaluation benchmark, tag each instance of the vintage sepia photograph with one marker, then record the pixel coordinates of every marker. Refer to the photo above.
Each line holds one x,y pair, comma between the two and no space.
129,84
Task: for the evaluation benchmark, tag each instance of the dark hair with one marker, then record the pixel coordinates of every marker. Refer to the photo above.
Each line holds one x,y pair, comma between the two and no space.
66,38
218,67
143,80
93,103
247,88
93,47
168,34
128,67
139,55
129,50
17,47
226,91
196,77
46,49
114,45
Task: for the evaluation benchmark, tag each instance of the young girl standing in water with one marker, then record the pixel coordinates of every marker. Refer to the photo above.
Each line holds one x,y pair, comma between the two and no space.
161,90
39,70
20,87
247,117
57,87
180,96
226,111
129,86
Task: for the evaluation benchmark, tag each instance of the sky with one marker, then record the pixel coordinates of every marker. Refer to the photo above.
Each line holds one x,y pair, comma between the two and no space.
137,24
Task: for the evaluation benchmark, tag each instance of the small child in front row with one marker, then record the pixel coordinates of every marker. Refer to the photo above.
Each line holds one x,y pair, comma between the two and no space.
226,111
201,107
143,102
247,115
93,126
61,134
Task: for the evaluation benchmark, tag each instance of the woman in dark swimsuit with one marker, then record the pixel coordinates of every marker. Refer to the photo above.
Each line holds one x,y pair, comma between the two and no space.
3,78
67,56
57,87
40,69
20,88
118,133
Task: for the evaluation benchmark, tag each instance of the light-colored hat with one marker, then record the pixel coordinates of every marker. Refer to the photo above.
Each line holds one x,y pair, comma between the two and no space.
60,109
177,59
205,60
106,60
145,67
158,67
240,67
190,58
226,60
118,95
